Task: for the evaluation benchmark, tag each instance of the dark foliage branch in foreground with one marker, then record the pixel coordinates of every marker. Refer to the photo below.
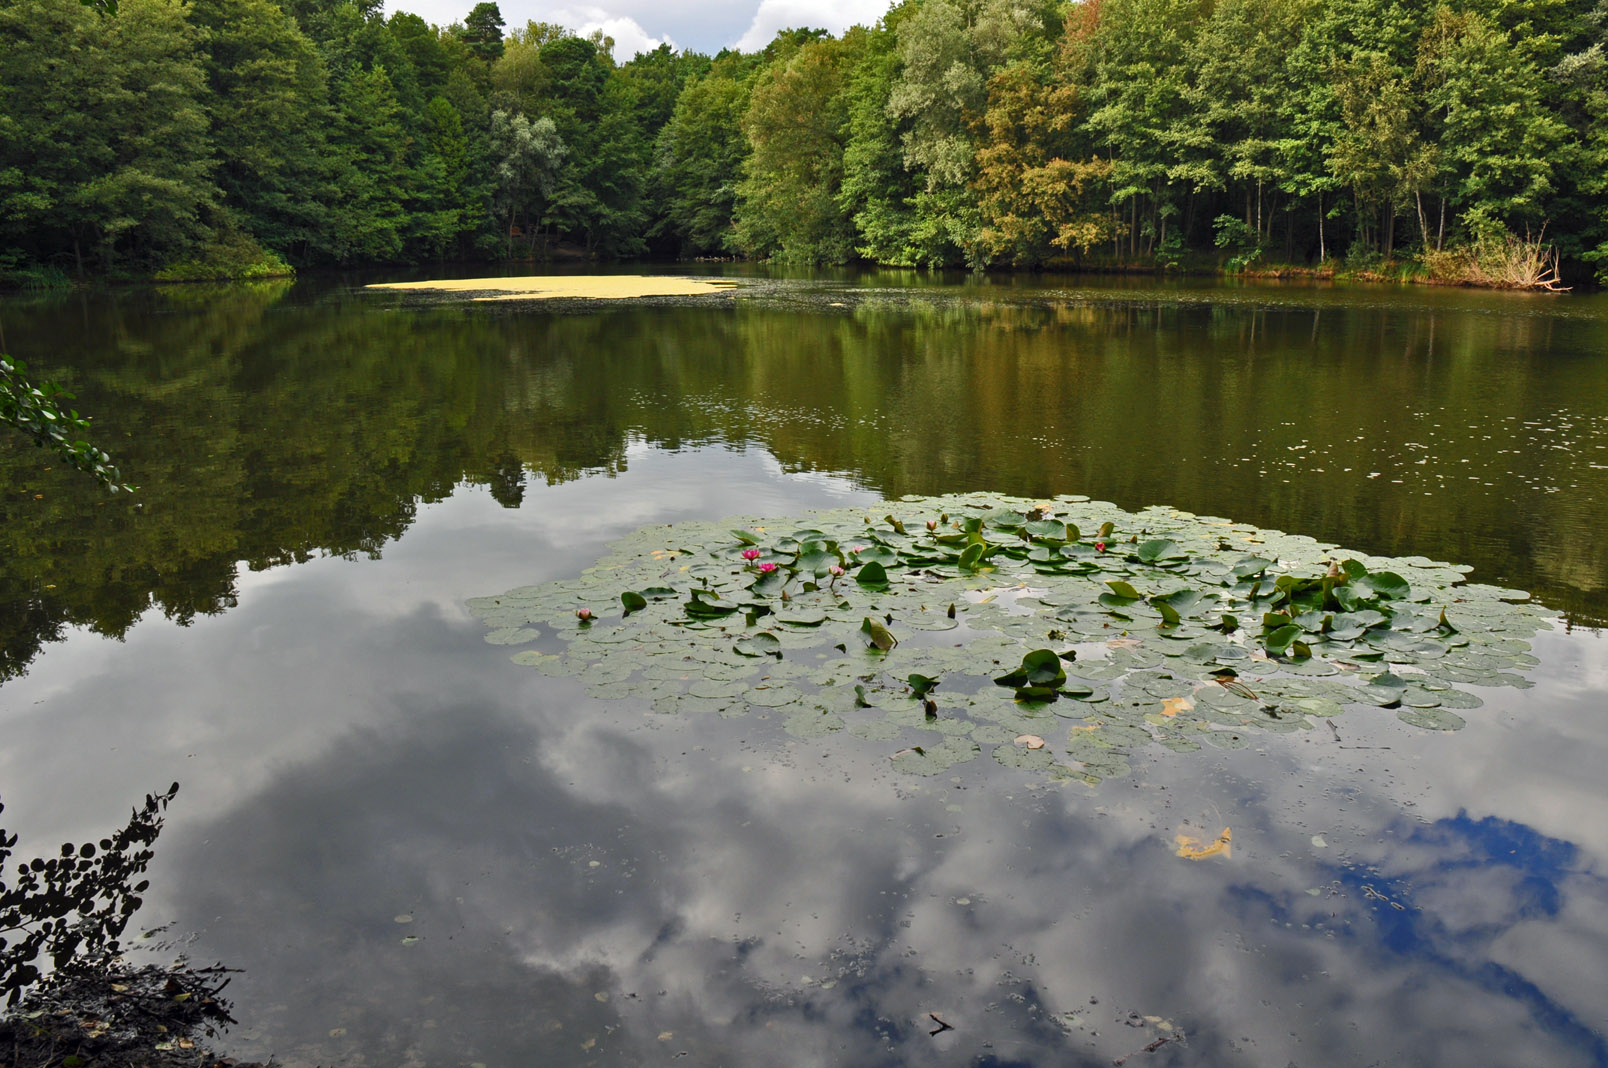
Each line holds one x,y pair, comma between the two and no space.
73,907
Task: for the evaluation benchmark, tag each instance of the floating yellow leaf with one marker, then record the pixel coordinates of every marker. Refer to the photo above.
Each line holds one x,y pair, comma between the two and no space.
1192,848
1032,741
1174,705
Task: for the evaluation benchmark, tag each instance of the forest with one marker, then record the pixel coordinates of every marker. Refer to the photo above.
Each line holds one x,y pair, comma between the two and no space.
1464,139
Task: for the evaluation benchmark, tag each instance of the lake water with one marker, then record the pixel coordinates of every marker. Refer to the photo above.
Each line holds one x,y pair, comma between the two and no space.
420,853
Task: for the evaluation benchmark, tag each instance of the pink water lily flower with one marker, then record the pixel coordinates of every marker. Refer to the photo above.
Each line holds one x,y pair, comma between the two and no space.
750,554
583,614
1099,546
835,571
765,569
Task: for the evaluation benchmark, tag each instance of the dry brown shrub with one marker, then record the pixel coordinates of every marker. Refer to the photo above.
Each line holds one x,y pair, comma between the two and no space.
1498,261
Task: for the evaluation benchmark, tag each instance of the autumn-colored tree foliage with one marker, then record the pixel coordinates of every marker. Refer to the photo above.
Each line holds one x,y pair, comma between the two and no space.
1039,200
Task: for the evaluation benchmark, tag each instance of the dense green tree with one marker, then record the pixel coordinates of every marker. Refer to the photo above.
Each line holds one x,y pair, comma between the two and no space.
1139,91
938,97
656,80
371,172
519,79
698,160
653,82
1582,80
599,196
51,68
1496,140
1237,103
422,45
443,201
270,117
788,200
1380,154
527,156
878,190
105,148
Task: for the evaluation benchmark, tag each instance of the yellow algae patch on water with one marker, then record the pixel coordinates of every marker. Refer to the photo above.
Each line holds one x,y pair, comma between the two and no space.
1192,848
568,286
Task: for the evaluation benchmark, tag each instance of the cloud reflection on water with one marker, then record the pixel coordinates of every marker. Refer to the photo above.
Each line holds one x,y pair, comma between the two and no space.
583,877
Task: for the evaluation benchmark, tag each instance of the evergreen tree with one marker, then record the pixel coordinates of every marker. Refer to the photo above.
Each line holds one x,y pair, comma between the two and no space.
483,31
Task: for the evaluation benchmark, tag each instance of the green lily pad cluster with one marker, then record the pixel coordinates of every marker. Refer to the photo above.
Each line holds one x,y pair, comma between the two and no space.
1060,635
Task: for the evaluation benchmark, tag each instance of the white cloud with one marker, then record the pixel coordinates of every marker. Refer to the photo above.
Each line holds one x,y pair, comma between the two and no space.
629,36
834,16
703,25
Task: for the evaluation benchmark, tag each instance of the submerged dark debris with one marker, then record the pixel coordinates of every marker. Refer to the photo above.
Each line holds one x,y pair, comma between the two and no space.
116,1015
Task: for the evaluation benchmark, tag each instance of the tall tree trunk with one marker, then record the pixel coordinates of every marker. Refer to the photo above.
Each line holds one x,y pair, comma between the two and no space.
1323,251
1155,219
1440,235
1423,226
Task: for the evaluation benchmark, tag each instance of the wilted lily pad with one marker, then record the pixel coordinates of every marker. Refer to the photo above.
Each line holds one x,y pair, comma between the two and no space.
1195,631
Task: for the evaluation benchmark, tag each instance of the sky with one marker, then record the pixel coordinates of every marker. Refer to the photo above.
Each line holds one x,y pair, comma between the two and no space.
642,25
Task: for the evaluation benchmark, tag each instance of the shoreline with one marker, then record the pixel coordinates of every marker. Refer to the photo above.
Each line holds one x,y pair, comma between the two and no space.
1392,273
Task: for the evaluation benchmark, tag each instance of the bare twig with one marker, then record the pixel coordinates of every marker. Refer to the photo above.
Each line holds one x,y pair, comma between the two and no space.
1151,1048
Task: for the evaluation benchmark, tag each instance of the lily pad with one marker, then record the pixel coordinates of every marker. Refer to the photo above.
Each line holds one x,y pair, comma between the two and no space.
762,644
1039,668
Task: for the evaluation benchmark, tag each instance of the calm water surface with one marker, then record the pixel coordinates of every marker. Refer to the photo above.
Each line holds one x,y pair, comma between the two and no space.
422,854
